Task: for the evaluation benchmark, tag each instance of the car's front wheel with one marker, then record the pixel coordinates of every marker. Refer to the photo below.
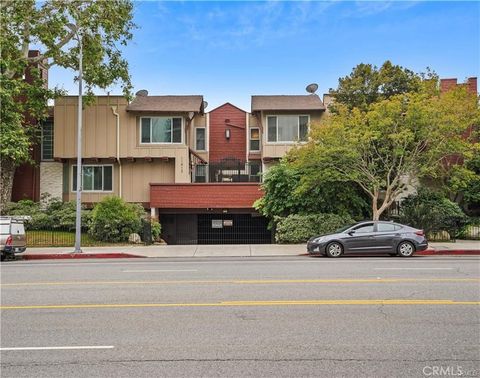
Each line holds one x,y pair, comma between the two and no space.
406,249
334,249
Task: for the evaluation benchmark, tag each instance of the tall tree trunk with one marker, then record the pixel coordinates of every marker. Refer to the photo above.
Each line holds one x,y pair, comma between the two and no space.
375,212
7,171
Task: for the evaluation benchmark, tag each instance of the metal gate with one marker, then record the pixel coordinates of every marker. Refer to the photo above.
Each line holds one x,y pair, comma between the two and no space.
233,229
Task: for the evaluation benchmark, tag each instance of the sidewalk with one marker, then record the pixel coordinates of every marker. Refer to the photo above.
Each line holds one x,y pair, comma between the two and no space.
464,247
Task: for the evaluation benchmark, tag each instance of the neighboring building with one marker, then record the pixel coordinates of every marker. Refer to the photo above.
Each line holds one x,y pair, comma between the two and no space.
198,172
27,182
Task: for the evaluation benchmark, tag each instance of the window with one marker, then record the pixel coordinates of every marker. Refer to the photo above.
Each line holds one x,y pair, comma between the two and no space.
200,138
254,139
387,227
364,228
161,130
200,173
95,178
287,128
47,140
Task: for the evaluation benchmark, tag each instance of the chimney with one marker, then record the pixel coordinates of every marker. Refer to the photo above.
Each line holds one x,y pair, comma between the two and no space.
447,84
472,85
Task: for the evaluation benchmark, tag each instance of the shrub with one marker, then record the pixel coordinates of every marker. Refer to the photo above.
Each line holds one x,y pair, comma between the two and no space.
432,212
114,220
299,228
156,230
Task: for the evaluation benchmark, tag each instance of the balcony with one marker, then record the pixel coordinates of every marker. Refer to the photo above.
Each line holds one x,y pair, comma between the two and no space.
227,171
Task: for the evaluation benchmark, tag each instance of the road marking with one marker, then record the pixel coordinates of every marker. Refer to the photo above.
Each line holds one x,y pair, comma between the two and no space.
160,270
60,348
413,268
427,302
242,282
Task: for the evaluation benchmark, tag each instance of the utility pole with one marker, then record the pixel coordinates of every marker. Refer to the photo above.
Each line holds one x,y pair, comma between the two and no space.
78,216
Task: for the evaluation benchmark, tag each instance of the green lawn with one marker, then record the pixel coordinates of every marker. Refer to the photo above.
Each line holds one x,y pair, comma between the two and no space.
54,238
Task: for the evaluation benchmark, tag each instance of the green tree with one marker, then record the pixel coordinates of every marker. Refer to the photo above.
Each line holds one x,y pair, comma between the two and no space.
368,84
285,194
462,181
51,26
394,141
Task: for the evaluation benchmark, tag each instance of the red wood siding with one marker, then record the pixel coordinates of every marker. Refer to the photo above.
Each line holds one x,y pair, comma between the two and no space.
225,117
202,196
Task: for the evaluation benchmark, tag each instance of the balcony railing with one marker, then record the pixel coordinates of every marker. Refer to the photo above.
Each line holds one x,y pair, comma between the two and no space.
227,171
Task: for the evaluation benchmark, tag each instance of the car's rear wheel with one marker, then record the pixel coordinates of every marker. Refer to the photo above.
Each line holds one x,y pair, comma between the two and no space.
405,249
334,249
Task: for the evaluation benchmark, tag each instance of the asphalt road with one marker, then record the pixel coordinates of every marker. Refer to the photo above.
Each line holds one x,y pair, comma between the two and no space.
235,317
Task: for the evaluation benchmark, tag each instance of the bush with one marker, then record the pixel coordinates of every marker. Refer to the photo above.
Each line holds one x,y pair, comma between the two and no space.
114,220
156,230
432,212
299,228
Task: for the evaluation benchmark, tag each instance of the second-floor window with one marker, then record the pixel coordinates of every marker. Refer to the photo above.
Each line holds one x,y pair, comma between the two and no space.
200,138
254,139
160,130
95,178
287,128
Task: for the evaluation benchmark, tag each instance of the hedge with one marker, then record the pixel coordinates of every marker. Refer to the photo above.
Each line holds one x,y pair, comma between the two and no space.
299,228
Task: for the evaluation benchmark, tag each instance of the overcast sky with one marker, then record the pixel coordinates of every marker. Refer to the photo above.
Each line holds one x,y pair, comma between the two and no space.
228,51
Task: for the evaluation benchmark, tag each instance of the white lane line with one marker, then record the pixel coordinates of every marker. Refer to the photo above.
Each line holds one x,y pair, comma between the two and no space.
413,268
160,270
60,348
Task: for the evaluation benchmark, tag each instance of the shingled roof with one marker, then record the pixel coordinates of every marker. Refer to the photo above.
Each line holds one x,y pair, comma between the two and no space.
282,102
166,104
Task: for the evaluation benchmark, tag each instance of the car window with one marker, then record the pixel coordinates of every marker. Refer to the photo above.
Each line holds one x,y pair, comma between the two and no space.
364,228
398,227
4,229
385,227
17,228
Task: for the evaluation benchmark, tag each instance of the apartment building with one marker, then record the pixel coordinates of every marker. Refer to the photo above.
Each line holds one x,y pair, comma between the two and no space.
198,171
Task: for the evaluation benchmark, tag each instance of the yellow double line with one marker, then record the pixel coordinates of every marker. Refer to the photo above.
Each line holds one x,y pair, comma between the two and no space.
243,282
342,302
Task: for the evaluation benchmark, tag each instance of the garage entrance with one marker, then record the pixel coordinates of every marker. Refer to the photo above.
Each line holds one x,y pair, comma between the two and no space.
215,229
233,229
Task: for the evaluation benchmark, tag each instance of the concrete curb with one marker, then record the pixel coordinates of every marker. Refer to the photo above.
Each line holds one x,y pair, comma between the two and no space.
61,256
432,252
122,255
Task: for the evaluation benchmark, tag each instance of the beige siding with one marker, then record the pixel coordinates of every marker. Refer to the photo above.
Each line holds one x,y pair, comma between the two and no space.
100,131
137,177
91,197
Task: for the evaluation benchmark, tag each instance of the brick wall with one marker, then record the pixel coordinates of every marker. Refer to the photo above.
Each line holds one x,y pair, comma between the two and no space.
51,178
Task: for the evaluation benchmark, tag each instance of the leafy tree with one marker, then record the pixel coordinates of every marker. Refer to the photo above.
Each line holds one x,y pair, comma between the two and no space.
368,84
463,182
284,194
383,148
52,26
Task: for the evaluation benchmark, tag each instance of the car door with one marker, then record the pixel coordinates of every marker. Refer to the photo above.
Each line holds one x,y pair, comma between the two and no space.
386,235
361,238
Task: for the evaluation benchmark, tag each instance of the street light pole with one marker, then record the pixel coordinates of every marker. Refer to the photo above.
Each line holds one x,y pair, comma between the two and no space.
78,216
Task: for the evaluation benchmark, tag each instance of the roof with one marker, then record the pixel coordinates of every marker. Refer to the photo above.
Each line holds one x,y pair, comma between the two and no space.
192,103
282,102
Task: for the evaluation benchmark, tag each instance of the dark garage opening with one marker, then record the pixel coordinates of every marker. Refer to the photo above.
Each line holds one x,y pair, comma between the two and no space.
215,229
233,229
